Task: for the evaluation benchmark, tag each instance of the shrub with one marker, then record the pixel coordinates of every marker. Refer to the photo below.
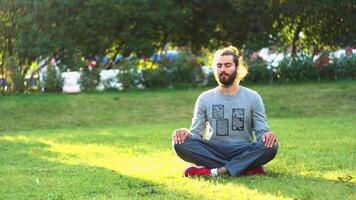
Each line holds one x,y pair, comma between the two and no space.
129,75
299,68
156,77
17,76
184,71
344,68
258,71
89,78
53,81
17,80
211,80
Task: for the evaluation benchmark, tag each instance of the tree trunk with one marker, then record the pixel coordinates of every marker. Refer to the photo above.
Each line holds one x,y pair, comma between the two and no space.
296,38
299,29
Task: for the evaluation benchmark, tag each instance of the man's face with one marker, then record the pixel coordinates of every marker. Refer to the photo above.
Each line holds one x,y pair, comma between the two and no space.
226,70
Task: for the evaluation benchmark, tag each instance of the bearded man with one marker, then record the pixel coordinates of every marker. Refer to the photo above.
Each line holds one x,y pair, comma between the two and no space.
229,132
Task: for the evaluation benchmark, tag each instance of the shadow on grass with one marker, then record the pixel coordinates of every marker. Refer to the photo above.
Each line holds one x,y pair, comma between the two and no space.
26,177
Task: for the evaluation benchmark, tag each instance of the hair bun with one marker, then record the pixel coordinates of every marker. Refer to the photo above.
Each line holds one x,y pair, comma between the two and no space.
234,49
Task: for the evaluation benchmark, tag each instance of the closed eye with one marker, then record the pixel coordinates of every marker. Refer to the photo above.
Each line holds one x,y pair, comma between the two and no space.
228,65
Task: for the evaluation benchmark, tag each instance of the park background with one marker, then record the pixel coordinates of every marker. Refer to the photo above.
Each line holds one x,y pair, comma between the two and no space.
114,141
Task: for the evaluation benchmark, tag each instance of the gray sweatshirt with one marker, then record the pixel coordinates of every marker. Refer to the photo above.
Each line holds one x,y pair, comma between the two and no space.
229,118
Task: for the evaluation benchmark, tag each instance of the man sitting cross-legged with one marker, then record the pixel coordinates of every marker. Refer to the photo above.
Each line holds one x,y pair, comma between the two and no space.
231,113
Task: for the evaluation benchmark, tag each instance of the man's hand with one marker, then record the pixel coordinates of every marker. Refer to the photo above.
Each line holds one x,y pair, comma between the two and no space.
180,135
270,139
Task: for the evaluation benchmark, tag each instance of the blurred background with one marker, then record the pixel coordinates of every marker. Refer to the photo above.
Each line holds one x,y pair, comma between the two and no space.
72,46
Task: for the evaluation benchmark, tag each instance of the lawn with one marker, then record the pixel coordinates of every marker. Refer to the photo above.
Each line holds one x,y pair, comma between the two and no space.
117,145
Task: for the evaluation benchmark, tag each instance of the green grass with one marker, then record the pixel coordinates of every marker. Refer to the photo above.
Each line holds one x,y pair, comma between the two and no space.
116,145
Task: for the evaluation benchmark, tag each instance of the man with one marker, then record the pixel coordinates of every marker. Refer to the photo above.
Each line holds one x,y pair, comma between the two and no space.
230,113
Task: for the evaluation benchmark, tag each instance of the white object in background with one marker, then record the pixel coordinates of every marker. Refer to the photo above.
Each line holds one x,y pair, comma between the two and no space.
109,79
71,82
207,70
274,59
263,53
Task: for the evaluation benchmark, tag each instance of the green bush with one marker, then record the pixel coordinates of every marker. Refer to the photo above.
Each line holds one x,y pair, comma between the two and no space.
17,81
299,68
258,71
89,78
129,75
17,76
53,81
344,68
210,80
349,66
157,77
184,71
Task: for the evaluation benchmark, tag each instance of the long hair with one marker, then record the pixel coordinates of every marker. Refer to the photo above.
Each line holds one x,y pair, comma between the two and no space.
237,59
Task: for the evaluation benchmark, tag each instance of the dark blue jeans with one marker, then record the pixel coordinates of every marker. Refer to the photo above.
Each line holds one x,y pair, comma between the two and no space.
235,156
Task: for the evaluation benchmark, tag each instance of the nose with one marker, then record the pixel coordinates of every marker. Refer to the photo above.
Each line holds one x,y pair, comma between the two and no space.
223,68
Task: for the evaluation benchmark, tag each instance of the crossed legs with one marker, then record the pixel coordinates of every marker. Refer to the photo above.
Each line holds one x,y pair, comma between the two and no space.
235,157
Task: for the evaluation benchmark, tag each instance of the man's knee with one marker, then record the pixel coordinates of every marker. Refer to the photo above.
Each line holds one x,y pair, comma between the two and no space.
177,147
182,148
272,151
269,151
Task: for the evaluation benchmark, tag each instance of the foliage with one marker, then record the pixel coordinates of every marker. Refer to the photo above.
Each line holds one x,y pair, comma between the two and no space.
53,81
210,80
156,77
17,78
345,68
90,77
314,23
186,70
183,71
258,71
69,30
129,75
301,68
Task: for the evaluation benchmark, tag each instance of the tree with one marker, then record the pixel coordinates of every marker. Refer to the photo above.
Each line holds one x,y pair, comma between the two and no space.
9,32
315,23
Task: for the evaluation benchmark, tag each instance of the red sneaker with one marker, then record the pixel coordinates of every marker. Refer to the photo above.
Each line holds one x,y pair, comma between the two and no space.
254,171
197,171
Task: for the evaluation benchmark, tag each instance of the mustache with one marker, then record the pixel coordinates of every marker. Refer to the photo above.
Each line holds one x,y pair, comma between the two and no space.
223,73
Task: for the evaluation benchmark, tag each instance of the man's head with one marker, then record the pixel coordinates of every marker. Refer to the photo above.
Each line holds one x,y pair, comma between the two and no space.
228,66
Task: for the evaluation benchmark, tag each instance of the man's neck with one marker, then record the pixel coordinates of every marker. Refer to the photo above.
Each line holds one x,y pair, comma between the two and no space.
229,90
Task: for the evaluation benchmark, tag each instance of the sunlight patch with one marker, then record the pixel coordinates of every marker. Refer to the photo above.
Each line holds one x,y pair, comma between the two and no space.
162,168
19,138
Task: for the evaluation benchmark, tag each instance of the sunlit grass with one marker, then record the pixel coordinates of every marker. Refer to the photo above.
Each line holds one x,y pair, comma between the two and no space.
159,167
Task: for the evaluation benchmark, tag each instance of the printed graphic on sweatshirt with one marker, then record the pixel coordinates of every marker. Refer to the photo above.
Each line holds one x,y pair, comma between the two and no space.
218,111
238,119
222,127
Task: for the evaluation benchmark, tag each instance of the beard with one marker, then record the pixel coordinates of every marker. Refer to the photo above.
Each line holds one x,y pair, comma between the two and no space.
227,79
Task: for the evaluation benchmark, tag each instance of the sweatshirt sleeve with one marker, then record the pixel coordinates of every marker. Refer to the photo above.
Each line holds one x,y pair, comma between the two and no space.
199,119
259,119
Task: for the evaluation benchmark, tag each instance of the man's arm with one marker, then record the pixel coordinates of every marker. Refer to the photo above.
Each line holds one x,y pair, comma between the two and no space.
198,124
260,125
199,119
